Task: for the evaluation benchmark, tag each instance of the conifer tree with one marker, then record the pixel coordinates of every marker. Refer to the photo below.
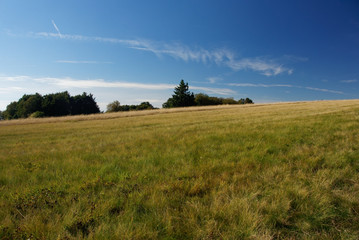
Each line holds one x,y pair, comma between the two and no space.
182,97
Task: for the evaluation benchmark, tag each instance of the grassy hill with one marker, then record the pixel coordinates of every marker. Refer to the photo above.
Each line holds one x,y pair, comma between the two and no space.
274,171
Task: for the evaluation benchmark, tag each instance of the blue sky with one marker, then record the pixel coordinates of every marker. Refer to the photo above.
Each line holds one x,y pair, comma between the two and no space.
134,51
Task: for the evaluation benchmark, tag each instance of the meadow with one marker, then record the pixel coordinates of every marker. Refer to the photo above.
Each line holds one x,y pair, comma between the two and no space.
270,171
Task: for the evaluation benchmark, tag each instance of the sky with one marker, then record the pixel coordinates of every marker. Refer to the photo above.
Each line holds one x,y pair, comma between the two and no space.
135,51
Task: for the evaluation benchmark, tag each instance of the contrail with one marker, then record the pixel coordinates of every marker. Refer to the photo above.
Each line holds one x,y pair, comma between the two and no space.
57,29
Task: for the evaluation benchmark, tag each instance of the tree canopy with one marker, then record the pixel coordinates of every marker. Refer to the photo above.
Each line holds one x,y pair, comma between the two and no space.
115,106
55,104
202,99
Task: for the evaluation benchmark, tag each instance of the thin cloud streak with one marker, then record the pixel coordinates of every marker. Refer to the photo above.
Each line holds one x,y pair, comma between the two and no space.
260,85
148,100
57,29
349,81
283,85
82,62
220,91
323,90
221,57
214,79
13,78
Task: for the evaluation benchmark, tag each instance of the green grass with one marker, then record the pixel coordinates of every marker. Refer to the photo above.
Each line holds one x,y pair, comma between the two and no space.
277,171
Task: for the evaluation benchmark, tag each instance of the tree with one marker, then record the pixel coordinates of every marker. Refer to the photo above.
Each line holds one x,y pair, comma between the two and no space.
248,101
57,104
229,101
202,99
144,106
29,104
10,112
245,101
83,104
182,97
115,106
168,104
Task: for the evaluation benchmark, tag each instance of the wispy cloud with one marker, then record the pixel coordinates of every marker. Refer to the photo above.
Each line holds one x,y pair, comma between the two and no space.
214,79
259,85
68,82
324,90
148,100
219,91
225,57
100,83
295,58
10,89
284,85
266,67
82,62
349,81
221,56
13,78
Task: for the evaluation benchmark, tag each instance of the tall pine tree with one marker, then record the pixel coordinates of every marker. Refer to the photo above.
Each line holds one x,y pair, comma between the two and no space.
182,97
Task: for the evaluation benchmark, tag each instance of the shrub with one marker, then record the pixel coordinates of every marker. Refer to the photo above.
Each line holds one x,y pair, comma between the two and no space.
37,114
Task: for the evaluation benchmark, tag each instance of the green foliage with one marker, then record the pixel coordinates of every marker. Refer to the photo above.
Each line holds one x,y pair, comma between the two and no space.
57,104
205,100
11,111
144,106
83,104
182,97
28,104
202,99
229,101
115,106
37,114
245,101
169,103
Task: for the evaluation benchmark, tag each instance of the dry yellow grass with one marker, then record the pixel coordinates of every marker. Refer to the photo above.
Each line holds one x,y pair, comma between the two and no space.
262,171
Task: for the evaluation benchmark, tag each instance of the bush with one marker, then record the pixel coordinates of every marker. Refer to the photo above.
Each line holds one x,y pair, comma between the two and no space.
144,106
115,106
202,99
37,114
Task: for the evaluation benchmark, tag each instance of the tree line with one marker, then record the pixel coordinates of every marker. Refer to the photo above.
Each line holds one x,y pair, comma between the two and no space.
182,97
115,106
62,104
51,105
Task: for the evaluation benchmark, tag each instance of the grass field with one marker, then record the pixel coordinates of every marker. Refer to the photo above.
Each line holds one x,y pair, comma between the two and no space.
275,171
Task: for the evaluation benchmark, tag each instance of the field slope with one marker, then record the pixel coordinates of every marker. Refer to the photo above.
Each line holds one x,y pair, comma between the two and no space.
275,171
